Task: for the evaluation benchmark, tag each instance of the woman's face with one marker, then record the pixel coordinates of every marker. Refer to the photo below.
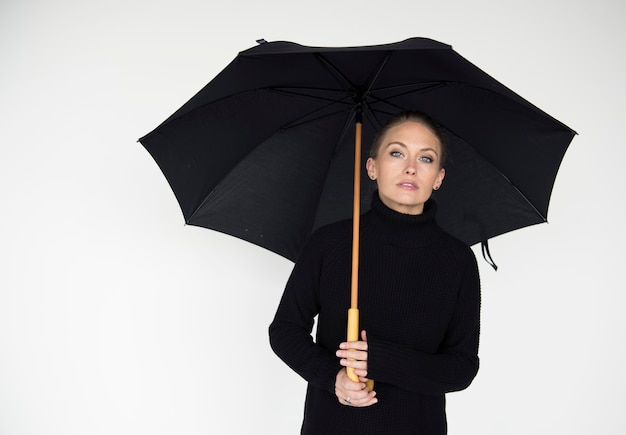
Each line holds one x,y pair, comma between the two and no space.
407,167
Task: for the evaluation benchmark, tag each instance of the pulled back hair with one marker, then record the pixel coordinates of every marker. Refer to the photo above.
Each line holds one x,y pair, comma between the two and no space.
410,116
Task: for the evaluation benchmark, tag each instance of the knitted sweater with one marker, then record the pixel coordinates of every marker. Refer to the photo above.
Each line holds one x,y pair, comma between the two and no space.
419,301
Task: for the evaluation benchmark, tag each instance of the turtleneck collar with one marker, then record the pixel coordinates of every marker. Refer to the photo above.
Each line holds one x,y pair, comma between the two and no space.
394,227
430,209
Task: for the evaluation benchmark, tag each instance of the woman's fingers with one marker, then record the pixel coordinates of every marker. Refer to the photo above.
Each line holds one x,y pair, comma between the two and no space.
360,366
352,354
368,400
357,345
351,393
359,397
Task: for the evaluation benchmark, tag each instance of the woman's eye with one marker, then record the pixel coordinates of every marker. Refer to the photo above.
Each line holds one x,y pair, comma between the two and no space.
396,154
426,159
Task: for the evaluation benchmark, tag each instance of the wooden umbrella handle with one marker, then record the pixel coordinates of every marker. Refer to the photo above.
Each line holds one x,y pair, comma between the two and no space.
353,335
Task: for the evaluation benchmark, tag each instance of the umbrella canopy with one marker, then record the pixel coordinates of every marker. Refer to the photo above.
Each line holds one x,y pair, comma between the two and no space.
264,151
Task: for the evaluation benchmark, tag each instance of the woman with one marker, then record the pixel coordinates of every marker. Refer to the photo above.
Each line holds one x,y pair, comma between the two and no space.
419,301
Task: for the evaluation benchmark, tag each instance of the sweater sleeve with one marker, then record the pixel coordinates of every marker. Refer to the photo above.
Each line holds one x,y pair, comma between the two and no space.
453,366
290,331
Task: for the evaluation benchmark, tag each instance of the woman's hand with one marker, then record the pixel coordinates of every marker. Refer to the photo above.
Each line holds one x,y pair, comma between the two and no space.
354,354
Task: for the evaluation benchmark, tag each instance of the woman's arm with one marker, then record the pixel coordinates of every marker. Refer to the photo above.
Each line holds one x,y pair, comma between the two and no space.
290,331
453,366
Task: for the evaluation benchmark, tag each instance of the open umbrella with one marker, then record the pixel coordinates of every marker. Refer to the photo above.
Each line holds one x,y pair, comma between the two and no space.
265,151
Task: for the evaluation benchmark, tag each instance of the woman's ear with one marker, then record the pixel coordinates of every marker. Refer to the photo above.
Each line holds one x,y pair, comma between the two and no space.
370,165
439,180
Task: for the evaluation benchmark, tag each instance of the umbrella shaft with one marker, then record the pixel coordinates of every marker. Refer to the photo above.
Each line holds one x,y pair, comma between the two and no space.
356,214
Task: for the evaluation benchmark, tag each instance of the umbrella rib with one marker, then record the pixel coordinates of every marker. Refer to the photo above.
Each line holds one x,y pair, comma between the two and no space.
375,75
432,86
288,91
503,175
331,102
305,119
360,94
333,69
528,201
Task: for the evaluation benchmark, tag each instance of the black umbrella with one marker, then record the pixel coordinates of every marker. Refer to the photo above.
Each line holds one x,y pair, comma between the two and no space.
265,151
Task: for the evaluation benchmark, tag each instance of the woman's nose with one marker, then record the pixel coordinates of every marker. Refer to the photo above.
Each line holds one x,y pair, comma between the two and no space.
410,170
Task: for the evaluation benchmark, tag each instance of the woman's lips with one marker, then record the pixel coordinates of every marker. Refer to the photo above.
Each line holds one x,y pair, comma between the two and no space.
408,185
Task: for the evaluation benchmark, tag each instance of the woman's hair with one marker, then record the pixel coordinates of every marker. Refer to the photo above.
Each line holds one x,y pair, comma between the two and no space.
412,116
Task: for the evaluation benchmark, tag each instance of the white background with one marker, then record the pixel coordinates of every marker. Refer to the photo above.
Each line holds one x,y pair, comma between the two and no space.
116,318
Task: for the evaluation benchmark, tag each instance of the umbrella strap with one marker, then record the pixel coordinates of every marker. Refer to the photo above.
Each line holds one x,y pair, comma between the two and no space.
484,245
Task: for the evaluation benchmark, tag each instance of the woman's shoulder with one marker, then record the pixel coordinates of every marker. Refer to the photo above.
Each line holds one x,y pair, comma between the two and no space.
457,247
329,237
331,234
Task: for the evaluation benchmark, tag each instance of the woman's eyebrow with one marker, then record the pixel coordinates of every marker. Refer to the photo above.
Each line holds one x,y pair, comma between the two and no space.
395,142
430,149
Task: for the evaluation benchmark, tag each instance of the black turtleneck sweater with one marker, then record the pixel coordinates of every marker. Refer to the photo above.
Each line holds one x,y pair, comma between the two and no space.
419,301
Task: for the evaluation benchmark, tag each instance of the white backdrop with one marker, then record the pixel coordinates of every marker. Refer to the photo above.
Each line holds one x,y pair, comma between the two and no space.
116,318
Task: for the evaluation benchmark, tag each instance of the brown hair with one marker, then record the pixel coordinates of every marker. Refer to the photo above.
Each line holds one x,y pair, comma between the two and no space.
410,116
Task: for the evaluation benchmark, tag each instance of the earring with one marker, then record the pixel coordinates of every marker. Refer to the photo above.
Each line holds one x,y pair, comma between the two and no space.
372,177
437,187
